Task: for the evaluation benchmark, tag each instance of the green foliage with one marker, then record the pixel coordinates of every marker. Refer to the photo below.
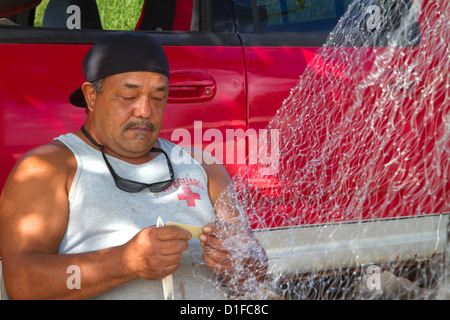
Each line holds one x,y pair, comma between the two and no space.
115,14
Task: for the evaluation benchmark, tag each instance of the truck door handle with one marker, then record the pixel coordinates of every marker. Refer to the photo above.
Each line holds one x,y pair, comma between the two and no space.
191,86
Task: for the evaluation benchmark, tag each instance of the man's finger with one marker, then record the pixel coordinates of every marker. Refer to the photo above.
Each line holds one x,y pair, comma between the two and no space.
216,263
172,247
215,243
173,233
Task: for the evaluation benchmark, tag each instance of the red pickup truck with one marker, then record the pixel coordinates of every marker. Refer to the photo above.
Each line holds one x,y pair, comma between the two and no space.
340,152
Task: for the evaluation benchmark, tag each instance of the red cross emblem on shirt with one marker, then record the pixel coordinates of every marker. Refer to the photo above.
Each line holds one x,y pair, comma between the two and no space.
189,196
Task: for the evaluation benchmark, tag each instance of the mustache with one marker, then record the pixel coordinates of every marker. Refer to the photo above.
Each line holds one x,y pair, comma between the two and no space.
139,123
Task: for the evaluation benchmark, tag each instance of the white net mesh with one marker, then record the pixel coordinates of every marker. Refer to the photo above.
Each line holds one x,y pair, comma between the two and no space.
364,163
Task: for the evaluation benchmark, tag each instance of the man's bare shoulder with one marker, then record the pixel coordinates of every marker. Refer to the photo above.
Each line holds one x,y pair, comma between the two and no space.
210,163
43,161
55,148
218,177
34,205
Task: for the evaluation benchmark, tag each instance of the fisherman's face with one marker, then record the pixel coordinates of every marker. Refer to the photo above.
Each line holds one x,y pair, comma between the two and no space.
128,113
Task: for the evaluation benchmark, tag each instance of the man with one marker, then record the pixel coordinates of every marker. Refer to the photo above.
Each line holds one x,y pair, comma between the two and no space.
86,204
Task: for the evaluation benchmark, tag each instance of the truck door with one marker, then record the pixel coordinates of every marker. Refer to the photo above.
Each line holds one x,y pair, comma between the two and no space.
42,65
282,40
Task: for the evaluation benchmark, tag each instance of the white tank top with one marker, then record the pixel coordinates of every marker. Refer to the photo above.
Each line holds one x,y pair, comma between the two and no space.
102,216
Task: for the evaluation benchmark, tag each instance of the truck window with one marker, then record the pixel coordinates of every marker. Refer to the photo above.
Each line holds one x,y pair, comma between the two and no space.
361,20
298,15
151,15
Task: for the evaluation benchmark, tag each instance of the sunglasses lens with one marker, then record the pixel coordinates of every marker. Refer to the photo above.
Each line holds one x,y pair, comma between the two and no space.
129,186
161,186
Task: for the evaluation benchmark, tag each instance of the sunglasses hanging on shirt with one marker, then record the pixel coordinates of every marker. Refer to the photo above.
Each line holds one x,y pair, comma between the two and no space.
130,185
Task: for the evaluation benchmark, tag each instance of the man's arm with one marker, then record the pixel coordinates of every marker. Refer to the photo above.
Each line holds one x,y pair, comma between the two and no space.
230,248
34,211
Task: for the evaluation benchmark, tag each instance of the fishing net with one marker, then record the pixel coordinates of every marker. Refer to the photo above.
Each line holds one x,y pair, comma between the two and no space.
359,207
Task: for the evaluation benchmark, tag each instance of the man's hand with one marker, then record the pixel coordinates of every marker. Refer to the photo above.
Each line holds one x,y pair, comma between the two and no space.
155,253
215,254
234,254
